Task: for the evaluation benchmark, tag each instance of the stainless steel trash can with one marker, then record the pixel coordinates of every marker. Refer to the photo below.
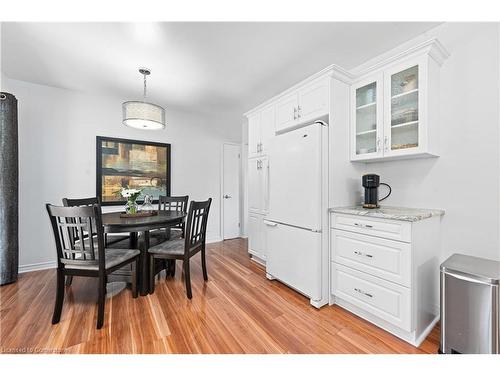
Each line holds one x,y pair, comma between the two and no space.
470,305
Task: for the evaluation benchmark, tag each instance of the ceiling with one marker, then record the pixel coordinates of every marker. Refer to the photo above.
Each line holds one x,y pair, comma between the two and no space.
202,67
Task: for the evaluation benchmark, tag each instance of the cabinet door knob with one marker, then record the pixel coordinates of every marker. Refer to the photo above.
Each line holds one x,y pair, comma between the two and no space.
386,141
378,144
294,113
298,111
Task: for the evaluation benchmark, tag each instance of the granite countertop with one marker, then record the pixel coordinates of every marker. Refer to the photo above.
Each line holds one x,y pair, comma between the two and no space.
389,212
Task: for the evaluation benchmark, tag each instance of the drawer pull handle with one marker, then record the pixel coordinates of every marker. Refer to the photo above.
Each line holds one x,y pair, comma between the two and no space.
363,254
363,225
364,293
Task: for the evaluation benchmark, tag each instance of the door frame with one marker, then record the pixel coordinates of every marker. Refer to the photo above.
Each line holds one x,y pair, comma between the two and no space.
222,187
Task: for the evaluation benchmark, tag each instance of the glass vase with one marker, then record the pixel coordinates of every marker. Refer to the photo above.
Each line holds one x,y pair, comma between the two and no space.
131,207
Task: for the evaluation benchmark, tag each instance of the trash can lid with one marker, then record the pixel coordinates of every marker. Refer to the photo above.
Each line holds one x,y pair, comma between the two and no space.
480,269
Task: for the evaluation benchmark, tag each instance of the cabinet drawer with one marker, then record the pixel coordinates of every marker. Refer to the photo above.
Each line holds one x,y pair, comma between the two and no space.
390,260
383,299
391,229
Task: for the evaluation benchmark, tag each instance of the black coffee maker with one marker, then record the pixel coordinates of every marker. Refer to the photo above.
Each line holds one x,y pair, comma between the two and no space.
371,182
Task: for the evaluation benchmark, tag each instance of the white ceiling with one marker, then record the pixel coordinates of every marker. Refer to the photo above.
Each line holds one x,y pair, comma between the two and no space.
203,67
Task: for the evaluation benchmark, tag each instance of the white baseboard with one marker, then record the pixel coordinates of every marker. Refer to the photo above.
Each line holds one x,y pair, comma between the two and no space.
214,239
37,266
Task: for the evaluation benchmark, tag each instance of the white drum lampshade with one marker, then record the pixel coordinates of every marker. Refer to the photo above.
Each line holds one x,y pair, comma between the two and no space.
142,114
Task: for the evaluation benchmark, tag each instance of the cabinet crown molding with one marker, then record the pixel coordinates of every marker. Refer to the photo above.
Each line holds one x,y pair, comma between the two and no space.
432,47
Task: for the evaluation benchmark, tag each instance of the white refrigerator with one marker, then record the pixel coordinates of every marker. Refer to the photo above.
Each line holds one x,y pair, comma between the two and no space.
294,222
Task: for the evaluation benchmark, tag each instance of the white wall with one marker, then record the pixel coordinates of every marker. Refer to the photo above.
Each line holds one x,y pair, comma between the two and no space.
464,180
57,131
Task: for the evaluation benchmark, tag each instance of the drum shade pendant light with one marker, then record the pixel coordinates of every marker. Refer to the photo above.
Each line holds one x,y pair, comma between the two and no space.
141,114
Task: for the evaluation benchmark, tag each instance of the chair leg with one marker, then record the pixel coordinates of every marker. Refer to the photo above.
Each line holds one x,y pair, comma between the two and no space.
59,298
187,278
69,280
204,264
101,301
172,267
151,274
135,277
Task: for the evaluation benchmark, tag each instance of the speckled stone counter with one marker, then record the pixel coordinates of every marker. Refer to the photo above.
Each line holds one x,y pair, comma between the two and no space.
388,212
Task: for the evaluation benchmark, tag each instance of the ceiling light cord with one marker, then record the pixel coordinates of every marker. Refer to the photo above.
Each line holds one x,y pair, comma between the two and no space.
144,74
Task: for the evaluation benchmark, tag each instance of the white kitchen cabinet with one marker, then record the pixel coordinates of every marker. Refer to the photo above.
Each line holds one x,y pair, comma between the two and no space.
286,112
387,270
394,109
260,130
303,105
313,100
258,175
256,236
267,131
367,118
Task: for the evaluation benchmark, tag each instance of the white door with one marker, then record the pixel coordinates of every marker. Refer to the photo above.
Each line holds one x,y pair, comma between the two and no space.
295,178
286,112
294,257
266,127
254,185
231,191
313,101
254,135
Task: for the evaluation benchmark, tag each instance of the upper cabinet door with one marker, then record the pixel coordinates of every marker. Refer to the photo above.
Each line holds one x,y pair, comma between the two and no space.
367,118
254,135
286,112
313,101
267,127
404,117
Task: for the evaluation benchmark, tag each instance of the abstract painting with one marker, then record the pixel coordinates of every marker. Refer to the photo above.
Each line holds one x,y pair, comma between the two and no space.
133,164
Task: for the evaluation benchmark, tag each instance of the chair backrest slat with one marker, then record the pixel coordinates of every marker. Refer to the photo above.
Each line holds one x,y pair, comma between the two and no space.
196,226
178,204
78,233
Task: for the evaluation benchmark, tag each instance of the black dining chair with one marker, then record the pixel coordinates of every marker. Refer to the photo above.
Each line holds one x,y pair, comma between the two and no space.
176,204
185,248
77,257
79,202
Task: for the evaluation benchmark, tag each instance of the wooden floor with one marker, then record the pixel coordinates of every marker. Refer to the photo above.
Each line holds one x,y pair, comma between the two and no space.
237,311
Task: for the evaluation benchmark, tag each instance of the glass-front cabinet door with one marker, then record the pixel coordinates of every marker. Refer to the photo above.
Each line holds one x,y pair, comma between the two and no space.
402,110
367,118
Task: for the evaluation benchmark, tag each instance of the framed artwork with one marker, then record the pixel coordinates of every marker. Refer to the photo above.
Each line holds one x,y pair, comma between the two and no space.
134,164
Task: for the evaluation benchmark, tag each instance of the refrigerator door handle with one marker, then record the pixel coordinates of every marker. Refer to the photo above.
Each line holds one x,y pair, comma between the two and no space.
270,223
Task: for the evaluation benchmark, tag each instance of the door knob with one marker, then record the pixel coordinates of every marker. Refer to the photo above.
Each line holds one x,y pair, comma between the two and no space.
227,196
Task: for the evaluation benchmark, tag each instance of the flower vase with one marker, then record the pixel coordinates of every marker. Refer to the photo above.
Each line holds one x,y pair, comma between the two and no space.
131,207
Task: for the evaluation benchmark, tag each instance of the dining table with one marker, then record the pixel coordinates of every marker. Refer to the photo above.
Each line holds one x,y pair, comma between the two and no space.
114,222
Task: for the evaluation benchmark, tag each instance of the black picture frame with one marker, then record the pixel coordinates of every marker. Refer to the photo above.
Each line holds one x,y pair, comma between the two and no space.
99,153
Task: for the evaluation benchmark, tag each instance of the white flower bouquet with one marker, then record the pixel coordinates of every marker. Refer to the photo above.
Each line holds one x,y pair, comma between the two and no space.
131,195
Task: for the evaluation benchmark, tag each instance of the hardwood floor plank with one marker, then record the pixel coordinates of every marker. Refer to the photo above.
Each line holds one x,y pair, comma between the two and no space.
237,311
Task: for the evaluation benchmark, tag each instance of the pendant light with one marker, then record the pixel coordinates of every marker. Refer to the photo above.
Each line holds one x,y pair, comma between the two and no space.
141,114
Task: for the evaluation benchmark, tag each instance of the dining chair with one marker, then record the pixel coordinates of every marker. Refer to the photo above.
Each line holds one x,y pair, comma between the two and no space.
176,204
185,248
86,258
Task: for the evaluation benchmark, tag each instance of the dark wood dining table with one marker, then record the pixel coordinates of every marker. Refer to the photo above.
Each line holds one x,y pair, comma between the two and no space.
113,223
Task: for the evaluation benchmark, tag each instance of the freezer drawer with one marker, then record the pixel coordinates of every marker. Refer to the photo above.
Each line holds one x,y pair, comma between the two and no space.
294,257
390,260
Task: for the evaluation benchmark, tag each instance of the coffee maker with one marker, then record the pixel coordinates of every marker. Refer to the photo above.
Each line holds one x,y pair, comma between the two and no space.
371,182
